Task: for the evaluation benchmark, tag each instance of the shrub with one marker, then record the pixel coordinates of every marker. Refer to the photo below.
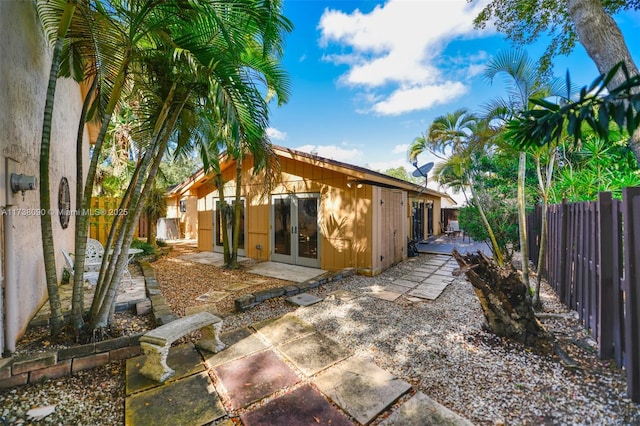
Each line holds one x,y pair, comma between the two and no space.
147,249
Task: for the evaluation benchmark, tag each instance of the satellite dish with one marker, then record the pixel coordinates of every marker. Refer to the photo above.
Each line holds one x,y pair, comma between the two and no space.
422,170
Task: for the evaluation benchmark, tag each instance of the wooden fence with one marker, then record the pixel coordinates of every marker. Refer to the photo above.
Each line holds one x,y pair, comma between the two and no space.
593,264
103,210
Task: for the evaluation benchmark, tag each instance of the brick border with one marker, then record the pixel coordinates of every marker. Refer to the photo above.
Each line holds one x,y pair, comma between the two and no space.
20,370
248,301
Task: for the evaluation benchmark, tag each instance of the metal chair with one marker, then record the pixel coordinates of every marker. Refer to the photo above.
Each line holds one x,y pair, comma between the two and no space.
93,255
90,277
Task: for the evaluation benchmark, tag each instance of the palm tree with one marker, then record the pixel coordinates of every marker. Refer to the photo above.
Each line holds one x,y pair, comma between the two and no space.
447,134
62,14
522,82
460,137
211,60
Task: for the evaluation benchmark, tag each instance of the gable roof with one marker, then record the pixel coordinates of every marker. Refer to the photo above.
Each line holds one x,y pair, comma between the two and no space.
354,173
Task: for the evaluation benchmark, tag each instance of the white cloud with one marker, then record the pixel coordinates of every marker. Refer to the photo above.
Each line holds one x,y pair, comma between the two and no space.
276,134
395,50
418,98
333,152
400,149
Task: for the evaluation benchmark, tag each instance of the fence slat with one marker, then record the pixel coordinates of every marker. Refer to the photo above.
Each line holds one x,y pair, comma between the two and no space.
631,220
606,295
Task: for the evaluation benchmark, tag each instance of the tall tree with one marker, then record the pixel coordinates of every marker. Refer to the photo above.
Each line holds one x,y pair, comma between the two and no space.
459,137
588,21
61,22
522,81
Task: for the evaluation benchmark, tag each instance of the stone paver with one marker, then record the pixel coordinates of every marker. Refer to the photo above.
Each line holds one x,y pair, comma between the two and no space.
176,403
250,379
245,284
389,296
304,406
209,307
413,278
240,343
361,388
212,296
405,283
282,329
184,359
421,410
428,291
313,353
284,271
304,299
396,288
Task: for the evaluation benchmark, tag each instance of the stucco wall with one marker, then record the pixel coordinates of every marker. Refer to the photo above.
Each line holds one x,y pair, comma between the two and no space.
24,71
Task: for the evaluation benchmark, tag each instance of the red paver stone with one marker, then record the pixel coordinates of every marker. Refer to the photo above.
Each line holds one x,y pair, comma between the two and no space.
252,378
304,406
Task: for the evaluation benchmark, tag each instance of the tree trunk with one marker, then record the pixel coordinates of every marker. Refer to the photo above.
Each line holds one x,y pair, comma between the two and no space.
46,227
236,214
224,222
505,299
152,223
522,217
77,299
605,45
545,187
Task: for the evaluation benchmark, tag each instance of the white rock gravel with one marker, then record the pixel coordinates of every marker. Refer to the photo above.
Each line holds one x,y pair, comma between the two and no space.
438,346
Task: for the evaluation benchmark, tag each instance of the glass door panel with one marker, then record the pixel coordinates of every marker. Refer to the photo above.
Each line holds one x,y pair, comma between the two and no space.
295,235
282,227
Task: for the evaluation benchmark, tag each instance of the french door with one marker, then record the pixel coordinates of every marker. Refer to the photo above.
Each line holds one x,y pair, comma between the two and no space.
295,234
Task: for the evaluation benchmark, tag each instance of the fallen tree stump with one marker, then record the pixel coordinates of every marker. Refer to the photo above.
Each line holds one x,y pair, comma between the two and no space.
505,299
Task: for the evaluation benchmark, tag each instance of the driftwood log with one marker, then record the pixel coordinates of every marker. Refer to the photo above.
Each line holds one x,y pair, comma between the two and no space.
505,299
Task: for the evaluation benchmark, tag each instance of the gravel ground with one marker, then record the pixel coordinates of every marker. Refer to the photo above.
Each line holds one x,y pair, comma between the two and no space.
440,347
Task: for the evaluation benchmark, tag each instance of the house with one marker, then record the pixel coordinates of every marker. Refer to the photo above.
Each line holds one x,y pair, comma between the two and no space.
24,73
322,213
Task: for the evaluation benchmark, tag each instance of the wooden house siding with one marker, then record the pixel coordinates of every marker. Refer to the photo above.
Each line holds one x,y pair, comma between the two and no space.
205,230
362,217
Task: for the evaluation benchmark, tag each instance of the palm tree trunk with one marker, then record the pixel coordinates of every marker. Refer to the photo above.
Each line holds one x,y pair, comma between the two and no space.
224,223
77,298
119,260
522,217
82,221
48,249
544,189
236,214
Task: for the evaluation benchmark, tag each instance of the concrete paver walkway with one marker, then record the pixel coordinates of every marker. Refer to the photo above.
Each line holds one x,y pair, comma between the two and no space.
425,282
276,372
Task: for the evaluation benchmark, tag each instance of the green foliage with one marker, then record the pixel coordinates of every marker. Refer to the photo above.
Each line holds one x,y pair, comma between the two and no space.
525,21
147,249
403,174
502,215
161,243
593,167
595,106
155,205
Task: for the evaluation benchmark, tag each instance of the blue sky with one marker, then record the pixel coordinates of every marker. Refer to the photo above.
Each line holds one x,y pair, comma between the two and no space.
370,76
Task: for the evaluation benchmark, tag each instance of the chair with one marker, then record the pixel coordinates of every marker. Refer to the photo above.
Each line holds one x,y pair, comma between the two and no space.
93,255
91,277
455,229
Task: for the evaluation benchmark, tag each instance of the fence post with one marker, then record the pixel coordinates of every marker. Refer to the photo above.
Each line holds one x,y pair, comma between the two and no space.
604,270
631,223
562,274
